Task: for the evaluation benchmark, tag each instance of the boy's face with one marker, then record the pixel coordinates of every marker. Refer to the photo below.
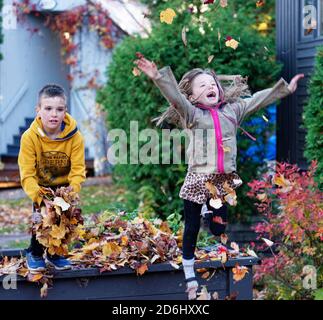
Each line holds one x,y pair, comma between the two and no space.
52,111
204,90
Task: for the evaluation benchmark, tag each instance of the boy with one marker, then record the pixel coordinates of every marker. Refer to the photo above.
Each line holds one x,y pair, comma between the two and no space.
51,155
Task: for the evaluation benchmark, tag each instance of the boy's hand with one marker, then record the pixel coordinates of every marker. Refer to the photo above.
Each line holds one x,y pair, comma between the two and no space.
147,67
293,84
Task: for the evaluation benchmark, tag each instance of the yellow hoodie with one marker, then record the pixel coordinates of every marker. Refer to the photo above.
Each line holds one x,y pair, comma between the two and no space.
46,162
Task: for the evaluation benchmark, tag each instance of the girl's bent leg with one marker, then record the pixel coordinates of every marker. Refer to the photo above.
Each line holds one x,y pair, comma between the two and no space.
216,227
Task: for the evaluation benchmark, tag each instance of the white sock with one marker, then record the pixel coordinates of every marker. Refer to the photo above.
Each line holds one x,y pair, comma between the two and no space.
188,266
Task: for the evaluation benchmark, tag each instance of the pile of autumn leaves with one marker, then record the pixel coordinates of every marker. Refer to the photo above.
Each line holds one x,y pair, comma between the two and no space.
115,241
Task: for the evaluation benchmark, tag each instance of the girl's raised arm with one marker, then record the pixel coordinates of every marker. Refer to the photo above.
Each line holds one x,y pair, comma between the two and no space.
266,97
167,84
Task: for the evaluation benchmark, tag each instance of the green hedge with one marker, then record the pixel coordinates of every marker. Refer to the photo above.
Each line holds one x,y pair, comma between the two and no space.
127,98
313,117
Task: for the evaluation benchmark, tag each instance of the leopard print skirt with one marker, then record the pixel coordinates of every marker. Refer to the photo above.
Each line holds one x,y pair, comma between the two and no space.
194,188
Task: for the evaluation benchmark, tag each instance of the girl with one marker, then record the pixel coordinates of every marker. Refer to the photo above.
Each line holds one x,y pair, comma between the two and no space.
213,114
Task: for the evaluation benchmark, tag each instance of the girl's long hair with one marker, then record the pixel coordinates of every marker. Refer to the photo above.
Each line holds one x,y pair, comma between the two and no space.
231,89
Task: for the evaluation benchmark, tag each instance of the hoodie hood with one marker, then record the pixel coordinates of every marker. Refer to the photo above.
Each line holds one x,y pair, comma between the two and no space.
68,128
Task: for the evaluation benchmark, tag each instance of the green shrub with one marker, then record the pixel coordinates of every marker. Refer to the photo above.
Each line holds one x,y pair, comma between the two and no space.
129,98
313,117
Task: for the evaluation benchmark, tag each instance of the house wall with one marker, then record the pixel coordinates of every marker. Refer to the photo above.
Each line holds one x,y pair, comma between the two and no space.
297,53
30,61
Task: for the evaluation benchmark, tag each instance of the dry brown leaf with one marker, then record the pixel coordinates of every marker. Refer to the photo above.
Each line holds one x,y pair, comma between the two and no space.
142,269
239,272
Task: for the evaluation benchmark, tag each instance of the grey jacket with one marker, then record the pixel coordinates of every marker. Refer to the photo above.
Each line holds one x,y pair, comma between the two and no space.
212,130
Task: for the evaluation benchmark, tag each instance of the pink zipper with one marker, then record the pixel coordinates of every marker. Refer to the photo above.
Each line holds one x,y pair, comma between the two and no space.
218,135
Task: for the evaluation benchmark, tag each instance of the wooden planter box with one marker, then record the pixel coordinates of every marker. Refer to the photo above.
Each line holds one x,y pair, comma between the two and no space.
160,282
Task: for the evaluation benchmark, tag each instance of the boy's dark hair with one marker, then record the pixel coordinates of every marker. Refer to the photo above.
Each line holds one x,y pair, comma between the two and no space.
52,90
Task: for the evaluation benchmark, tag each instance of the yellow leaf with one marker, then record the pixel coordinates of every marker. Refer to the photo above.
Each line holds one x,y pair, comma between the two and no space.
167,16
239,272
142,269
55,242
124,240
226,149
58,232
36,277
232,44
263,26
90,247
111,248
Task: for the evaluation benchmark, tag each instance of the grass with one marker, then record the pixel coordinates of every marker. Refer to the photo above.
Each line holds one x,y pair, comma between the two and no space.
96,199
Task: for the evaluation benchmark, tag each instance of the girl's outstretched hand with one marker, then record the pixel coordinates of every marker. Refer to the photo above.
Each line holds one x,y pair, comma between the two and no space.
293,84
147,67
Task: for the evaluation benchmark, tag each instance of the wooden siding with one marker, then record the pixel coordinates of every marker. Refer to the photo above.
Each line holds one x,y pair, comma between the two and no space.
297,55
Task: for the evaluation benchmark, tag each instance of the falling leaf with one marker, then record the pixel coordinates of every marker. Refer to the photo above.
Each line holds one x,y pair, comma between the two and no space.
139,55
212,189
239,272
234,246
224,238
265,118
210,58
231,198
260,3
226,149
261,197
142,269
223,3
44,290
136,72
205,275
251,253
269,243
184,36
204,294
215,296
167,16
216,203
231,43
60,202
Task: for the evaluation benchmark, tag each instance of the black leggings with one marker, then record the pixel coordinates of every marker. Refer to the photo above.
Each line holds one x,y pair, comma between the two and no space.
192,215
